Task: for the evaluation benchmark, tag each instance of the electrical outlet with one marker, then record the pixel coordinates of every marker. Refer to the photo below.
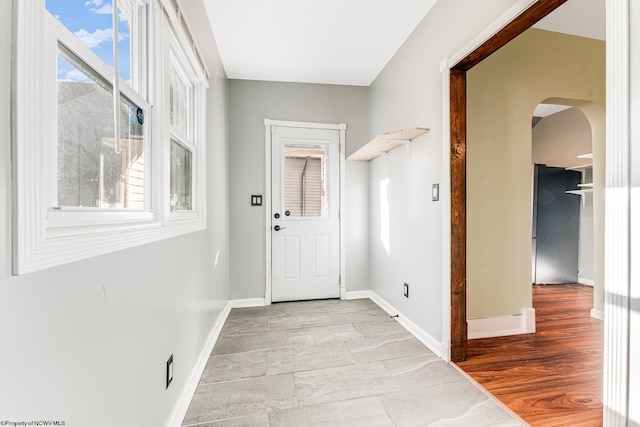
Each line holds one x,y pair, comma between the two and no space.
169,370
406,289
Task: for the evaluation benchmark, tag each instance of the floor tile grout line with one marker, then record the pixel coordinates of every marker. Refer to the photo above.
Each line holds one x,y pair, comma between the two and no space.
270,410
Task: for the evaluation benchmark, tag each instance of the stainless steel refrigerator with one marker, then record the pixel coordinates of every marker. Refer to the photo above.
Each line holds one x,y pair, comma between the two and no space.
556,225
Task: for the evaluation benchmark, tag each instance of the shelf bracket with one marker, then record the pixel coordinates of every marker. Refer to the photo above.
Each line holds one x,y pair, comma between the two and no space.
407,144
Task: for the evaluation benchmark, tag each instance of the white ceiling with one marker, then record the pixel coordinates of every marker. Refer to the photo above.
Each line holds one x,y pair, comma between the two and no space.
584,18
345,42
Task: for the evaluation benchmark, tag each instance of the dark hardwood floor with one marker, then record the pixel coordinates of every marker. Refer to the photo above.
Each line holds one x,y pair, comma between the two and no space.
552,377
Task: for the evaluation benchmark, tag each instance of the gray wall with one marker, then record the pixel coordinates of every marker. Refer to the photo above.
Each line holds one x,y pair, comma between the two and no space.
87,342
251,102
408,93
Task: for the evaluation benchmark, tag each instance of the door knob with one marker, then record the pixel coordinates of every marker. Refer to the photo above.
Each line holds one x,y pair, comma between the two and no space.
278,228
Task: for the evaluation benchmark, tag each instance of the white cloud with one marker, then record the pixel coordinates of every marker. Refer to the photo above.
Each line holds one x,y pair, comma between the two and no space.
107,9
76,76
92,40
94,2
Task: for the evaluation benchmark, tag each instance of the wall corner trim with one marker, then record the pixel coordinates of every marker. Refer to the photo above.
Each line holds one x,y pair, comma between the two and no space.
180,410
499,326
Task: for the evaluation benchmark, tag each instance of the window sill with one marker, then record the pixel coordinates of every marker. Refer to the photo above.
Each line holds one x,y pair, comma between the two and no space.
56,246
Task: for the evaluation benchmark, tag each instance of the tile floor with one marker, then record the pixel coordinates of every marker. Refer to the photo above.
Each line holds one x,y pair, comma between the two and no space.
332,363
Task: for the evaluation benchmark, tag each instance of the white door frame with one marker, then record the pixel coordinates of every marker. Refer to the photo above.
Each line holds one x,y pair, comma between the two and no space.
269,125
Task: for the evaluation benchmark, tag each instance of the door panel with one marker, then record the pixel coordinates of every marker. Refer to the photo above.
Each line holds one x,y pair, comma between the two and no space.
305,225
291,257
321,256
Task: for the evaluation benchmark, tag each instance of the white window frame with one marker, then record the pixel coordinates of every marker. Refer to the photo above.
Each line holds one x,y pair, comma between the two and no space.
193,141
45,237
62,221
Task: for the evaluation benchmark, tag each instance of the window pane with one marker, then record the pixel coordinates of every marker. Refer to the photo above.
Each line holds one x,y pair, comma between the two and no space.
181,174
132,154
125,40
305,182
92,22
89,171
179,103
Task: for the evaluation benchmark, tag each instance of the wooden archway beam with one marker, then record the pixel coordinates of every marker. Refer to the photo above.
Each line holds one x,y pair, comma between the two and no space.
458,156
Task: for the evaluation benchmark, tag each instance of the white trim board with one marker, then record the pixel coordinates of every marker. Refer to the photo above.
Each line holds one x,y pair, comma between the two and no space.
440,349
248,302
512,13
180,410
356,295
500,326
445,201
583,281
597,314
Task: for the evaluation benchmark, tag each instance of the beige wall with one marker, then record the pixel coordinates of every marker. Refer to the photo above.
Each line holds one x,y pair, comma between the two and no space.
558,139
502,93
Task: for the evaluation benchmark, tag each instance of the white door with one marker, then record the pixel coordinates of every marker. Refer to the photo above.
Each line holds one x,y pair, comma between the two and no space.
305,228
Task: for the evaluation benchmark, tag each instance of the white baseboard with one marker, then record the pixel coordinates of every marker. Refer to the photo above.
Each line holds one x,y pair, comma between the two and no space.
438,348
356,295
524,323
248,302
181,408
584,281
597,314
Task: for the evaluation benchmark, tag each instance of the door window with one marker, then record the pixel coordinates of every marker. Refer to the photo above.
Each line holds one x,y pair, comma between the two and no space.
305,181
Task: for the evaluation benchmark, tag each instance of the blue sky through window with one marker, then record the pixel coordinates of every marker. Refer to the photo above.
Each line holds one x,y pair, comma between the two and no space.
91,21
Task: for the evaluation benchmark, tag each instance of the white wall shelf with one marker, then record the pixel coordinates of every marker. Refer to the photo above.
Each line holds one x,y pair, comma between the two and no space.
386,142
580,192
580,168
583,187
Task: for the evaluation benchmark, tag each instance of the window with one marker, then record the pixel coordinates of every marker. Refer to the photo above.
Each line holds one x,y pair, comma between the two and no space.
305,178
100,162
181,120
97,169
91,172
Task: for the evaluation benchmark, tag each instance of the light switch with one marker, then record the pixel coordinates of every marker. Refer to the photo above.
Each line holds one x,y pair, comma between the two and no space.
435,192
256,200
